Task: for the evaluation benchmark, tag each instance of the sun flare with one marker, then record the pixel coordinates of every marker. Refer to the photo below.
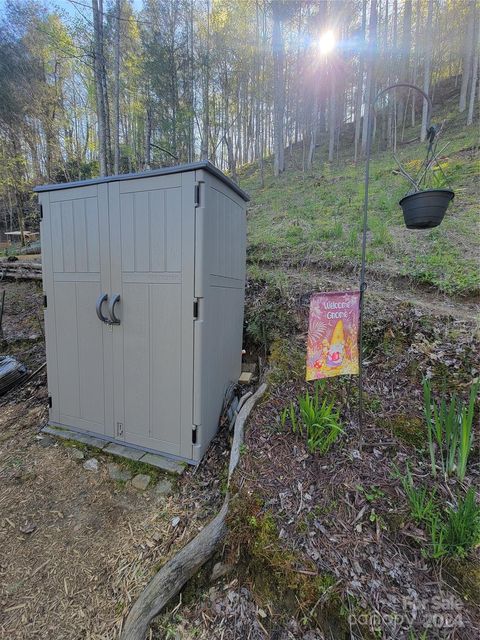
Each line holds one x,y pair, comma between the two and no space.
326,42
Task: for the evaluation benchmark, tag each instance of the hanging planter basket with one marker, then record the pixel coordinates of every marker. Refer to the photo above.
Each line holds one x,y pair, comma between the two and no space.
425,209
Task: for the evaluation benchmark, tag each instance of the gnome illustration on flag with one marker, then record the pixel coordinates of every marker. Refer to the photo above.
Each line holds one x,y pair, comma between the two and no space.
336,350
333,335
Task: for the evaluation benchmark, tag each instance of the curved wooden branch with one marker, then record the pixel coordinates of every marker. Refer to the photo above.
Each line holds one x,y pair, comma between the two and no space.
185,564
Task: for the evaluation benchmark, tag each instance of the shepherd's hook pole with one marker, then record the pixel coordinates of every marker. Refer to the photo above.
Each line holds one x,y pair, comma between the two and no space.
363,284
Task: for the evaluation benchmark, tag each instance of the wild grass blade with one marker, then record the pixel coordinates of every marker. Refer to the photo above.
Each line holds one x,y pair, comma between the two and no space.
466,433
427,396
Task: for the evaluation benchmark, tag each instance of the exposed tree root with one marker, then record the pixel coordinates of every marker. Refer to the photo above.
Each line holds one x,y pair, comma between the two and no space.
185,564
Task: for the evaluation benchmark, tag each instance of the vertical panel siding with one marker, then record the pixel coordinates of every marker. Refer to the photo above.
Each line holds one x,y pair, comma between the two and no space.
90,360
57,241
67,349
173,230
80,236
165,346
92,235
75,236
157,230
141,237
150,227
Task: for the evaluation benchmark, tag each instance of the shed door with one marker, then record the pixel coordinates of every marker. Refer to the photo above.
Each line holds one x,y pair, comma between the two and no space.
151,239
76,270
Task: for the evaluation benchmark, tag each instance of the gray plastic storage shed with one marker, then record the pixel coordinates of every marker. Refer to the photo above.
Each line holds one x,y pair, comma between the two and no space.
144,281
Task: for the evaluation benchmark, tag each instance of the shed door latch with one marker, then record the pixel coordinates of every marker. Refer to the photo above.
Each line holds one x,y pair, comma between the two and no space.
195,309
197,194
194,434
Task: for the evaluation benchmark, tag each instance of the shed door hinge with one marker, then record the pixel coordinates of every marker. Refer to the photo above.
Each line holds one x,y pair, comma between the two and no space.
50,403
195,309
44,300
40,211
194,434
197,194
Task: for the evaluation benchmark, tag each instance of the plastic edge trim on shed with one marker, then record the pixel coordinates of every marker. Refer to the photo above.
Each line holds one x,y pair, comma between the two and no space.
181,168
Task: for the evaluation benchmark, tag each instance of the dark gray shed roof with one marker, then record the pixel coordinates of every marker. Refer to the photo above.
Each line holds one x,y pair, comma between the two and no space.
181,168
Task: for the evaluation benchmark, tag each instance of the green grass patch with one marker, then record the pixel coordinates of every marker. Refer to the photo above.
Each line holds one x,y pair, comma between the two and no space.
297,219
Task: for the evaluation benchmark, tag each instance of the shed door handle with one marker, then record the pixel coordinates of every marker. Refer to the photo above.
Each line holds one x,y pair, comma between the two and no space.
111,309
103,297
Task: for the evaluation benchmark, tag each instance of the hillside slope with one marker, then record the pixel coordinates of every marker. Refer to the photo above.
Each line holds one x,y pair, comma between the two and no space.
314,220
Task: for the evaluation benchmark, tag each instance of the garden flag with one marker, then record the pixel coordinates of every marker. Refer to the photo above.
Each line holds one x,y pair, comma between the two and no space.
333,334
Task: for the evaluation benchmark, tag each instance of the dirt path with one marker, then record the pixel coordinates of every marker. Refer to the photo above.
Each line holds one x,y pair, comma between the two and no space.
387,287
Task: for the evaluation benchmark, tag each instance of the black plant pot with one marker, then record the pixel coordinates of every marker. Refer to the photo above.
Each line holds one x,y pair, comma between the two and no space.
425,209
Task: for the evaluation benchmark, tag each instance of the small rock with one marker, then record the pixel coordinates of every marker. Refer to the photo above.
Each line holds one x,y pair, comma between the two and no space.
220,569
141,481
262,613
163,487
116,472
76,454
175,521
28,527
91,464
46,441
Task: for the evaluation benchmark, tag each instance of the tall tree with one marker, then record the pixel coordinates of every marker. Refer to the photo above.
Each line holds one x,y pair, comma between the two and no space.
469,47
370,86
100,84
278,88
426,67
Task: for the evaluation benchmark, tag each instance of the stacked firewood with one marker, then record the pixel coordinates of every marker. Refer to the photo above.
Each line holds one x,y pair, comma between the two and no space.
20,270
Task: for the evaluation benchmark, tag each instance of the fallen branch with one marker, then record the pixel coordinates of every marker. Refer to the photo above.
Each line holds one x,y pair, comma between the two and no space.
20,270
21,264
185,564
21,275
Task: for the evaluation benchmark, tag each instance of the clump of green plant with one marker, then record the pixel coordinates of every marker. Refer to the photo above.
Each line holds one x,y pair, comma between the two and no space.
421,500
462,526
315,418
450,431
453,531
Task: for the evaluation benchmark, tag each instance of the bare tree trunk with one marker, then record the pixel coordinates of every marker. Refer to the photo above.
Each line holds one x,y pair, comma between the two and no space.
372,43
191,96
99,86
205,96
359,94
467,55
426,70
405,60
473,88
116,64
148,136
332,118
415,64
278,91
